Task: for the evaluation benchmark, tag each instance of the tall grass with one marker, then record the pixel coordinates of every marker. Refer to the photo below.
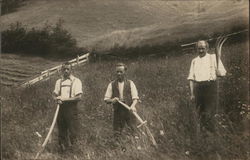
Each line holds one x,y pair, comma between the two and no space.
164,93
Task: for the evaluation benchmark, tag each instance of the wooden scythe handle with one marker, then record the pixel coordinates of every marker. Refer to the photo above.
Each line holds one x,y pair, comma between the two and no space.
143,123
50,131
134,113
124,105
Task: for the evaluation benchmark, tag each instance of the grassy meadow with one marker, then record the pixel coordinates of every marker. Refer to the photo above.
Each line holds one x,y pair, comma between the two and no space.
164,93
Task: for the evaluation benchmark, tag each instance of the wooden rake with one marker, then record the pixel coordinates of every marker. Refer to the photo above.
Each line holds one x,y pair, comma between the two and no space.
49,133
142,123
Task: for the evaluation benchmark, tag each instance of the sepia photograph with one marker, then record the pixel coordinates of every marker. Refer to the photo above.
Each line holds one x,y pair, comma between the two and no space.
124,80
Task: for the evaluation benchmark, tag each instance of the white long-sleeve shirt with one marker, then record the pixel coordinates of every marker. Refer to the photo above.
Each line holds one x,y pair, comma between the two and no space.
205,68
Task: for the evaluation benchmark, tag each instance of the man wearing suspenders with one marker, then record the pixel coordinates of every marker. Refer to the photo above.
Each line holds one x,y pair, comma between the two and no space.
67,93
202,77
124,90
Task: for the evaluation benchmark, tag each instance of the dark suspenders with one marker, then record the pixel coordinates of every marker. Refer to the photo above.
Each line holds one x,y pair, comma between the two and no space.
70,91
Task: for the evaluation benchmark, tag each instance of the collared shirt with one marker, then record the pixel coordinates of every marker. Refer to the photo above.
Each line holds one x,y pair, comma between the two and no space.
65,84
109,92
205,68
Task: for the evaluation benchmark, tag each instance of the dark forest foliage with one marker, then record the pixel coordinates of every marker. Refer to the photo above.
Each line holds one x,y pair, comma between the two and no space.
8,6
48,41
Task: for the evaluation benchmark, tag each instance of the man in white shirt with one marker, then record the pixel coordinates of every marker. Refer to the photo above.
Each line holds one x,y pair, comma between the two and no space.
202,78
124,90
67,93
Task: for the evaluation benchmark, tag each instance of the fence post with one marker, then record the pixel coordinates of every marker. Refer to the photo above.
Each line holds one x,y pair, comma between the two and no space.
77,60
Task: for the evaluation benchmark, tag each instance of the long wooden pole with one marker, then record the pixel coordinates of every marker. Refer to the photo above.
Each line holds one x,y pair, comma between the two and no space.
50,131
141,121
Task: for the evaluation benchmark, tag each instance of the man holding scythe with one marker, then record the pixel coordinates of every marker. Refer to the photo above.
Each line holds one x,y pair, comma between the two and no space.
67,93
203,74
123,90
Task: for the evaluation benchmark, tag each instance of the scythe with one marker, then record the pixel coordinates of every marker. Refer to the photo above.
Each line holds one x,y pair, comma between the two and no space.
142,123
49,133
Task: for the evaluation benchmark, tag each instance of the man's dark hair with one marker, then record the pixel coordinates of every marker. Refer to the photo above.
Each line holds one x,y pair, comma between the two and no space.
207,45
121,64
66,64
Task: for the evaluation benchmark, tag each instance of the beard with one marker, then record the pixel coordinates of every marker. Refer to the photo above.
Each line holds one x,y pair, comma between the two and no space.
120,78
66,75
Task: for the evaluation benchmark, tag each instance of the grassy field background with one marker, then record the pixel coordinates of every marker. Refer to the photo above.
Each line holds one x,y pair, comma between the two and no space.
164,93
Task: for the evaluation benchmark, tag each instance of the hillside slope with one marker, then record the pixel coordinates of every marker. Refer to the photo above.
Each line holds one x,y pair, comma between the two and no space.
107,24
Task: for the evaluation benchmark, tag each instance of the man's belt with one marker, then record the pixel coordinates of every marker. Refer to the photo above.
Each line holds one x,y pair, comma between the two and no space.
204,82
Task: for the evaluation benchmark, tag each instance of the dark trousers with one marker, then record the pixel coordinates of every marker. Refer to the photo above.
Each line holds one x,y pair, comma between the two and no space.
121,117
68,124
206,100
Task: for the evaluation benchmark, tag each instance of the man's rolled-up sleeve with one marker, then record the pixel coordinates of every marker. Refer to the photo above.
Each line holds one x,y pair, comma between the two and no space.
221,71
134,92
78,87
57,87
191,71
108,93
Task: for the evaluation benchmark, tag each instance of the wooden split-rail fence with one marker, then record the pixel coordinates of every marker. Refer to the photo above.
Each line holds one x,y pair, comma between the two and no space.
45,75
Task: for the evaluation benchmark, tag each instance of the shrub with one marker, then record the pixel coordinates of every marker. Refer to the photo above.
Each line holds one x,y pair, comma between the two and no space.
8,6
49,41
